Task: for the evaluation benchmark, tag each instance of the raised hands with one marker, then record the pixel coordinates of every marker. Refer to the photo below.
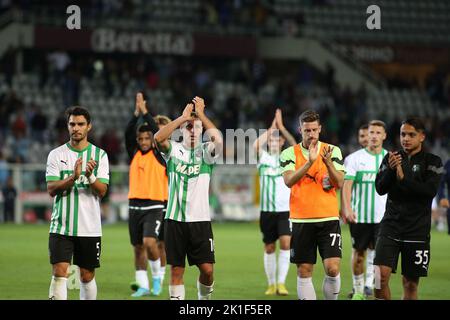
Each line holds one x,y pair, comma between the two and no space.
141,106
188,112
279,119
199,105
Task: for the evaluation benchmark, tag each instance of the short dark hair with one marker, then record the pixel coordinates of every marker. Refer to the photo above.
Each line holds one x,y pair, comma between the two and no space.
378,123
309,116
416,122
78,111
364,126
144,128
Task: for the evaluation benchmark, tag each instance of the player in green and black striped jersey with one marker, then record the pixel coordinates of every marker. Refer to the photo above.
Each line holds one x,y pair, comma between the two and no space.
77,176
188,230
363,206
274,203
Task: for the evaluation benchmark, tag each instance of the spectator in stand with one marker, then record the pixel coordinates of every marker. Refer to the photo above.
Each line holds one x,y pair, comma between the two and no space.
4,173
38,124
9,198
111,144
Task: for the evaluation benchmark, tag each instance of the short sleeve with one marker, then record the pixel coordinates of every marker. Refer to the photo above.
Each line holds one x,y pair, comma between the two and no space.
337,159
287,160
103,168
350,170
166,155
52,172
210,153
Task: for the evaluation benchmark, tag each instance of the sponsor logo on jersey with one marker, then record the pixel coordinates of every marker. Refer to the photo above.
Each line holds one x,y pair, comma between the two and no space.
188,170
368,177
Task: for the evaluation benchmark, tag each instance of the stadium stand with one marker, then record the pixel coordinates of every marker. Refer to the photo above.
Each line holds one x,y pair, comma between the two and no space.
241,90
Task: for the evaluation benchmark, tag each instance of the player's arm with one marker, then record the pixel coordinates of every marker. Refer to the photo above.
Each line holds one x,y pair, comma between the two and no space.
346,197
445,180
142,105
332,158
430,185
98,187
261,141
55,187
282,128
386,176
292,176
162,136
210,129
130,132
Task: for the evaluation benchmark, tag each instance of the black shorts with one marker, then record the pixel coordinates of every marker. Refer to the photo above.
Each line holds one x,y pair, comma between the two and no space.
161,230
144,223
274,225
364,235
308,237
415,256
84,250
192,239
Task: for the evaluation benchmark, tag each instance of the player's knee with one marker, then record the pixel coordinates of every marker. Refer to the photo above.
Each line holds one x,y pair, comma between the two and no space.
177,272
359,256
139,248
410,284
332,271
285,243
150,243
304,270
382,276
61,270
207,272
86,275
269,248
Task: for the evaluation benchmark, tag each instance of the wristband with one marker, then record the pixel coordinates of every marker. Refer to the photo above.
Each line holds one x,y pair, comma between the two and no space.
92,178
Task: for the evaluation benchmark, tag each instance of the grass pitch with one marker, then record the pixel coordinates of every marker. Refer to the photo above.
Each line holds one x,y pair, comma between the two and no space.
239,272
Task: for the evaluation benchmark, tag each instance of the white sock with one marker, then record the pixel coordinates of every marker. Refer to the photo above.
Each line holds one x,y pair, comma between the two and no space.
50,290
58,288
270,266
283,265
88,290
331,287
204,292
162,273
176,292
305,289
155,267
369,268
142,279
358,283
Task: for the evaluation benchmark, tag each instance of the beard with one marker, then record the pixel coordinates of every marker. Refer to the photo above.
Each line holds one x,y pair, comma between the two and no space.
78,137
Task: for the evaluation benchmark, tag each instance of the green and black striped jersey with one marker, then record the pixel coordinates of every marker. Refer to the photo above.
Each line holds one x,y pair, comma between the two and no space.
76,212
362,167
274,194
189,172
